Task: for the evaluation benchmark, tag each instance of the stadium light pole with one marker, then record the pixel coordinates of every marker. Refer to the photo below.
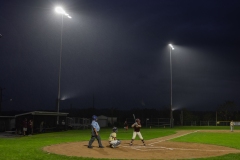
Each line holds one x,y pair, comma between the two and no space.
171,110
62,12
1,89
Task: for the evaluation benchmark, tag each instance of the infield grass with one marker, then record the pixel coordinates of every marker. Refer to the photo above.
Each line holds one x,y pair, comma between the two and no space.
30,147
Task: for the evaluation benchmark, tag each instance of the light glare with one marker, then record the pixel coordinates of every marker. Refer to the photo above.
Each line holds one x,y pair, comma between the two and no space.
61,11
171,46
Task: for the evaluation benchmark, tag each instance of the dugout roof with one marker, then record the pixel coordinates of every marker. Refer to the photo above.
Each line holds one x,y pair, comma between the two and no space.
43,113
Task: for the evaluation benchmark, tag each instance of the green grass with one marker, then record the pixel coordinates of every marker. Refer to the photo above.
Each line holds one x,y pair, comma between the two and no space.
221,139
30,147
229,139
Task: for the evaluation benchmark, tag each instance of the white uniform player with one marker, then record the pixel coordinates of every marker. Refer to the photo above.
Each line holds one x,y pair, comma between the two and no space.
232,126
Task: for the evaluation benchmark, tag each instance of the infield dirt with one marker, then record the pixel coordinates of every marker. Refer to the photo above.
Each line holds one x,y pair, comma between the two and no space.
159,148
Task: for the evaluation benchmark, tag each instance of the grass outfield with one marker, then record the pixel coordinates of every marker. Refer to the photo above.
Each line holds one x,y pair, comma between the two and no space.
30,147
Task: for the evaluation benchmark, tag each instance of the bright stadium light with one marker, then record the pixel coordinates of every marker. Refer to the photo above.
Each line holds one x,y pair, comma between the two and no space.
171,109
61,11
171,46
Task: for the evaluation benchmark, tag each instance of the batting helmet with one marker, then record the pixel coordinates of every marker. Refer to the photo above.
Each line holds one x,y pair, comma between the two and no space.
114,129
94,117
138,120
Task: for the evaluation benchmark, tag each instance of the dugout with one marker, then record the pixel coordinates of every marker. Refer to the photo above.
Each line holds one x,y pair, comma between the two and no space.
7,123
42,121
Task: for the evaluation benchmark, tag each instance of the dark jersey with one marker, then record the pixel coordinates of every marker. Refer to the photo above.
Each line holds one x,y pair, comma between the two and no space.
25,124
136,129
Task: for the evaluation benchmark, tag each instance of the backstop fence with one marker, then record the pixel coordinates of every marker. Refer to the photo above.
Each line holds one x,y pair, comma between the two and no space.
165,122
209,123
151,122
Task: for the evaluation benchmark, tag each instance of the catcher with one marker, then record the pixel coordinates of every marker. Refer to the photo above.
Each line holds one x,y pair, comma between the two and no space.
136,126
113,138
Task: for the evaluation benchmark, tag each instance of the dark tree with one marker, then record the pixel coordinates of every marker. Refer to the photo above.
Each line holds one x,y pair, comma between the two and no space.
227,111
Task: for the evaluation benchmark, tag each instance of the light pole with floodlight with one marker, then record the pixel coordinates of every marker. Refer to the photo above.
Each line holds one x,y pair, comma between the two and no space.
62,12
171,114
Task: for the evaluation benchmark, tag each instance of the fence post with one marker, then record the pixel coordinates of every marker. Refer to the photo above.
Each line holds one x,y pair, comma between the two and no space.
216,118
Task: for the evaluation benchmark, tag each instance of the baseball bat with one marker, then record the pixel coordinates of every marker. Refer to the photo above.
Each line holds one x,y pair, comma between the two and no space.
134,117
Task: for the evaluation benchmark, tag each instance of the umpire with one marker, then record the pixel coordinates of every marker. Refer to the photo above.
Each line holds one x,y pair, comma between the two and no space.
95,134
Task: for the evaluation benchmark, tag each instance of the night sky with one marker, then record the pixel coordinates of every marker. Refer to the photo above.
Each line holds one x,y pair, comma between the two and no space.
116,52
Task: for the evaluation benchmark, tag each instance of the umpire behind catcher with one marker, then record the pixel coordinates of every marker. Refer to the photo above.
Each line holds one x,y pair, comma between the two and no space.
95,134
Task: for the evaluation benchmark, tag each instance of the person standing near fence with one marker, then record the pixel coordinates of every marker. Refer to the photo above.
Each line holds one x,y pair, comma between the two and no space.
41,127
95,134
126,125
232,126
25,125
30,125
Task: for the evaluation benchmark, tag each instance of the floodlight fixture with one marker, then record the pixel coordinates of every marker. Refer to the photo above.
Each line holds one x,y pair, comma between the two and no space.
171,46
61,11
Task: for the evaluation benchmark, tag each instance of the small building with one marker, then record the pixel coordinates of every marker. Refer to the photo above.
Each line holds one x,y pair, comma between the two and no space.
78,123
42,121
104,121
112,120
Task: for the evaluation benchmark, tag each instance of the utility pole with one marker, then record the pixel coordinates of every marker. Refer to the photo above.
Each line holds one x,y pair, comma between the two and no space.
216,118
93,101
1,99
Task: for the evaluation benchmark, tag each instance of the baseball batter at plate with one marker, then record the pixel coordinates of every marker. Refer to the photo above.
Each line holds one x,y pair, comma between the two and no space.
137,126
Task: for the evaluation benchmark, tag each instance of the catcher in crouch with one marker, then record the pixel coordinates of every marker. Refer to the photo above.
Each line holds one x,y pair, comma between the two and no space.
136,126
113,138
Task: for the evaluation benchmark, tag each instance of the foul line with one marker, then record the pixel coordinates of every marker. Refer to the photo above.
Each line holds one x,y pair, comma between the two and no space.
173,137
151,146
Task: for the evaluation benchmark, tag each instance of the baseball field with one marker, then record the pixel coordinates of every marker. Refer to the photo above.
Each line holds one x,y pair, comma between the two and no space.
208,143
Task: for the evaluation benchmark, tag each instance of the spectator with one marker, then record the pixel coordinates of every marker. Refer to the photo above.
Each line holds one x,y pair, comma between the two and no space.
25,125
126,125
30,124
41,127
